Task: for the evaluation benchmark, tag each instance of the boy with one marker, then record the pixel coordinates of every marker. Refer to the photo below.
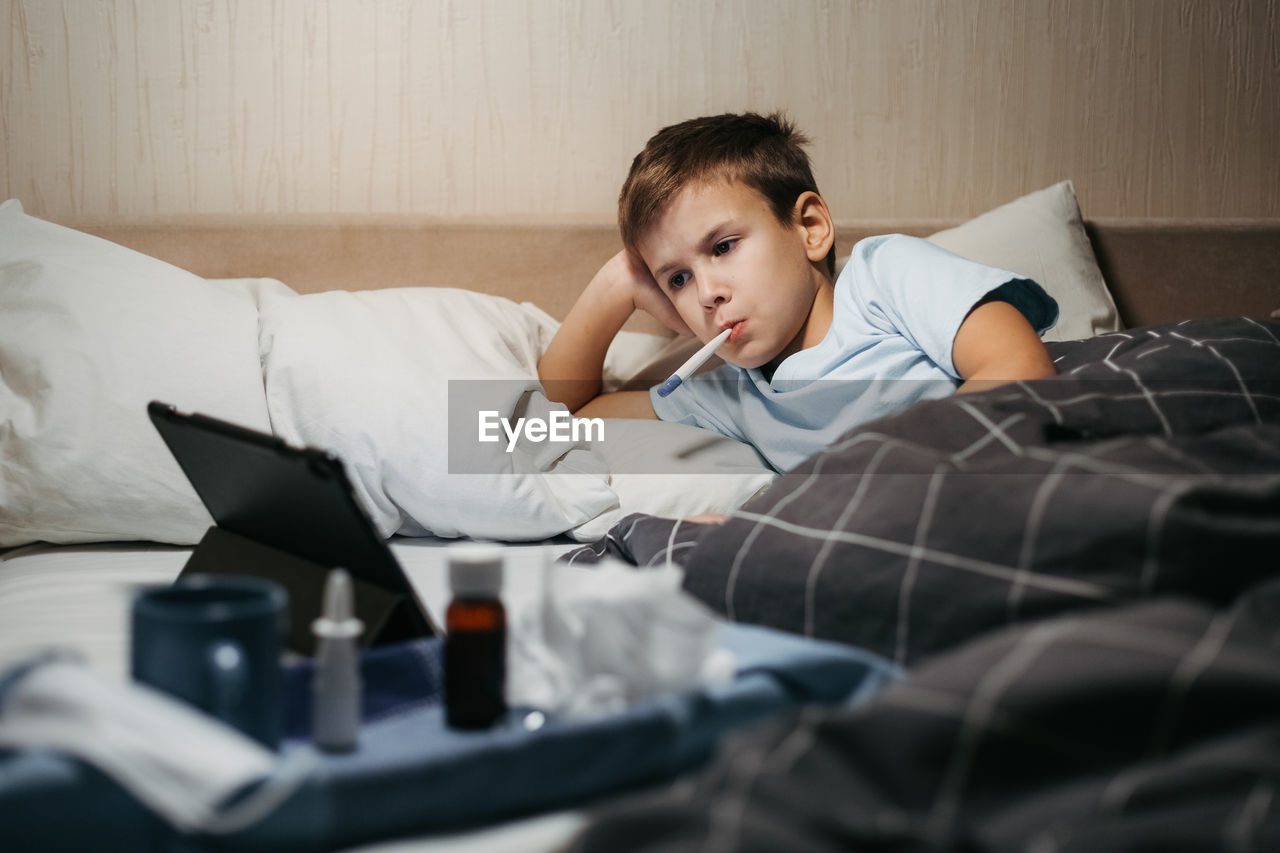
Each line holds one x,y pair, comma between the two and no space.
724,229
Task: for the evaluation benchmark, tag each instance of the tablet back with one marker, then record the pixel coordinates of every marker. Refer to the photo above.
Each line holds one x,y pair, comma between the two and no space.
295,500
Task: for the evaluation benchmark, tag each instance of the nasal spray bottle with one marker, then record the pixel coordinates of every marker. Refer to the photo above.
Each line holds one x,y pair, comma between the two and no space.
475,646
335,686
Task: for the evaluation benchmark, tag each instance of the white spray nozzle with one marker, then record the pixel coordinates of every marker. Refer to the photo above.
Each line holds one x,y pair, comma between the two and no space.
337,616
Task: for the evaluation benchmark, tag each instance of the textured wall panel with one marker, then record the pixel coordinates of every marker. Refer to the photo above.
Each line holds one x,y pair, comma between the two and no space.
934,108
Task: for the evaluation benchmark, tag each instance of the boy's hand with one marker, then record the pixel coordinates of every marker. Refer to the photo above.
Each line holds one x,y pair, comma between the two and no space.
646,295
573,364
649,297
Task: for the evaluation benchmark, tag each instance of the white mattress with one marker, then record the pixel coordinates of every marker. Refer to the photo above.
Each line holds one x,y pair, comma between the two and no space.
77,598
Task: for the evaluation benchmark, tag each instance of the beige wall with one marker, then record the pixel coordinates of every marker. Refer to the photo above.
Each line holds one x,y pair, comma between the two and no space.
934,108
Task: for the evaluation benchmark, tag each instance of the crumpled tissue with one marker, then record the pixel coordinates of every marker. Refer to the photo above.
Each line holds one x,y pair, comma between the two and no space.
599,638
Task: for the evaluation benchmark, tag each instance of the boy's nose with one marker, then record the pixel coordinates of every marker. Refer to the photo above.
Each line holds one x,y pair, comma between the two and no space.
713,290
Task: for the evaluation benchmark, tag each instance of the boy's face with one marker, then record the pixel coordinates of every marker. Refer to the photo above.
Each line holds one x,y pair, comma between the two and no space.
724,260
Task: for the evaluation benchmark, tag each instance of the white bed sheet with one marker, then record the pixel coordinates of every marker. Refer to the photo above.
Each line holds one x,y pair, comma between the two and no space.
77,598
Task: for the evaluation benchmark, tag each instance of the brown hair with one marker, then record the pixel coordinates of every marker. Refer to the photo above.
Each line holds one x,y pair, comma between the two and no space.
764,152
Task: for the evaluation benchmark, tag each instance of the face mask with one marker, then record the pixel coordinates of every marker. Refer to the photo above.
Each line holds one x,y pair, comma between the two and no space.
175,760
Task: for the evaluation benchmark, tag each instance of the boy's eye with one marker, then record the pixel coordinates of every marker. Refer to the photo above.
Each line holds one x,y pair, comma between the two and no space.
722,247
678,280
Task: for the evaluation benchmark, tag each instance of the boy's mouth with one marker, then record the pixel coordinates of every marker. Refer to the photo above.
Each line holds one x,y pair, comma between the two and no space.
737,327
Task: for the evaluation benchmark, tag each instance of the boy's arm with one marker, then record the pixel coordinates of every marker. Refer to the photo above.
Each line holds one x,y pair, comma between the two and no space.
572,367
995,344
619,404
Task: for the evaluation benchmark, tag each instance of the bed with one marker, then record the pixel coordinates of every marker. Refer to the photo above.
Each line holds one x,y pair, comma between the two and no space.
1075,576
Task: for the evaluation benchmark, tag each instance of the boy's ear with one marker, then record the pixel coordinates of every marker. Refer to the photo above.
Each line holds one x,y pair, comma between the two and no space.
813,218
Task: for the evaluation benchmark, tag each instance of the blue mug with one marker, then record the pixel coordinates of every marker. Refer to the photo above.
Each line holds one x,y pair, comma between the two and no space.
215,641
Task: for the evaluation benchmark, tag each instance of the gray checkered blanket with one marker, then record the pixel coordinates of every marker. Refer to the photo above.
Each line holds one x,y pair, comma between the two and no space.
1082,576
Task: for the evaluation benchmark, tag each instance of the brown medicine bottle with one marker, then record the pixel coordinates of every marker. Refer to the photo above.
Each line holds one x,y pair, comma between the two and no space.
475,645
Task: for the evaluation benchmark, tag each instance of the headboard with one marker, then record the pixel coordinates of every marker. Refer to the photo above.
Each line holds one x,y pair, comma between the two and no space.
1158,270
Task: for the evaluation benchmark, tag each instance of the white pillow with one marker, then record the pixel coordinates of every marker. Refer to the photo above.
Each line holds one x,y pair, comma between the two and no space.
675,470
90,332
1042,237
383,377
632,352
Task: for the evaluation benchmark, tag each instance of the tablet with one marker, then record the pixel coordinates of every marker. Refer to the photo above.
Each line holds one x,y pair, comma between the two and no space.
295,500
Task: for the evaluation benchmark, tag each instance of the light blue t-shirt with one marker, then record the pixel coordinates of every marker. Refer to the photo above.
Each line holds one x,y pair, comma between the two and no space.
898,305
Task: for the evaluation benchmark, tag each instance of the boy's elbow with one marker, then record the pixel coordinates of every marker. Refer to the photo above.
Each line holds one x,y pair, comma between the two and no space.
1044,371
1004,372
573,393
1038,366
1036,363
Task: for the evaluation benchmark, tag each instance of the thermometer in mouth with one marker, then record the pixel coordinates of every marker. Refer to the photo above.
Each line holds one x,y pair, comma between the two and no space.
699,358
